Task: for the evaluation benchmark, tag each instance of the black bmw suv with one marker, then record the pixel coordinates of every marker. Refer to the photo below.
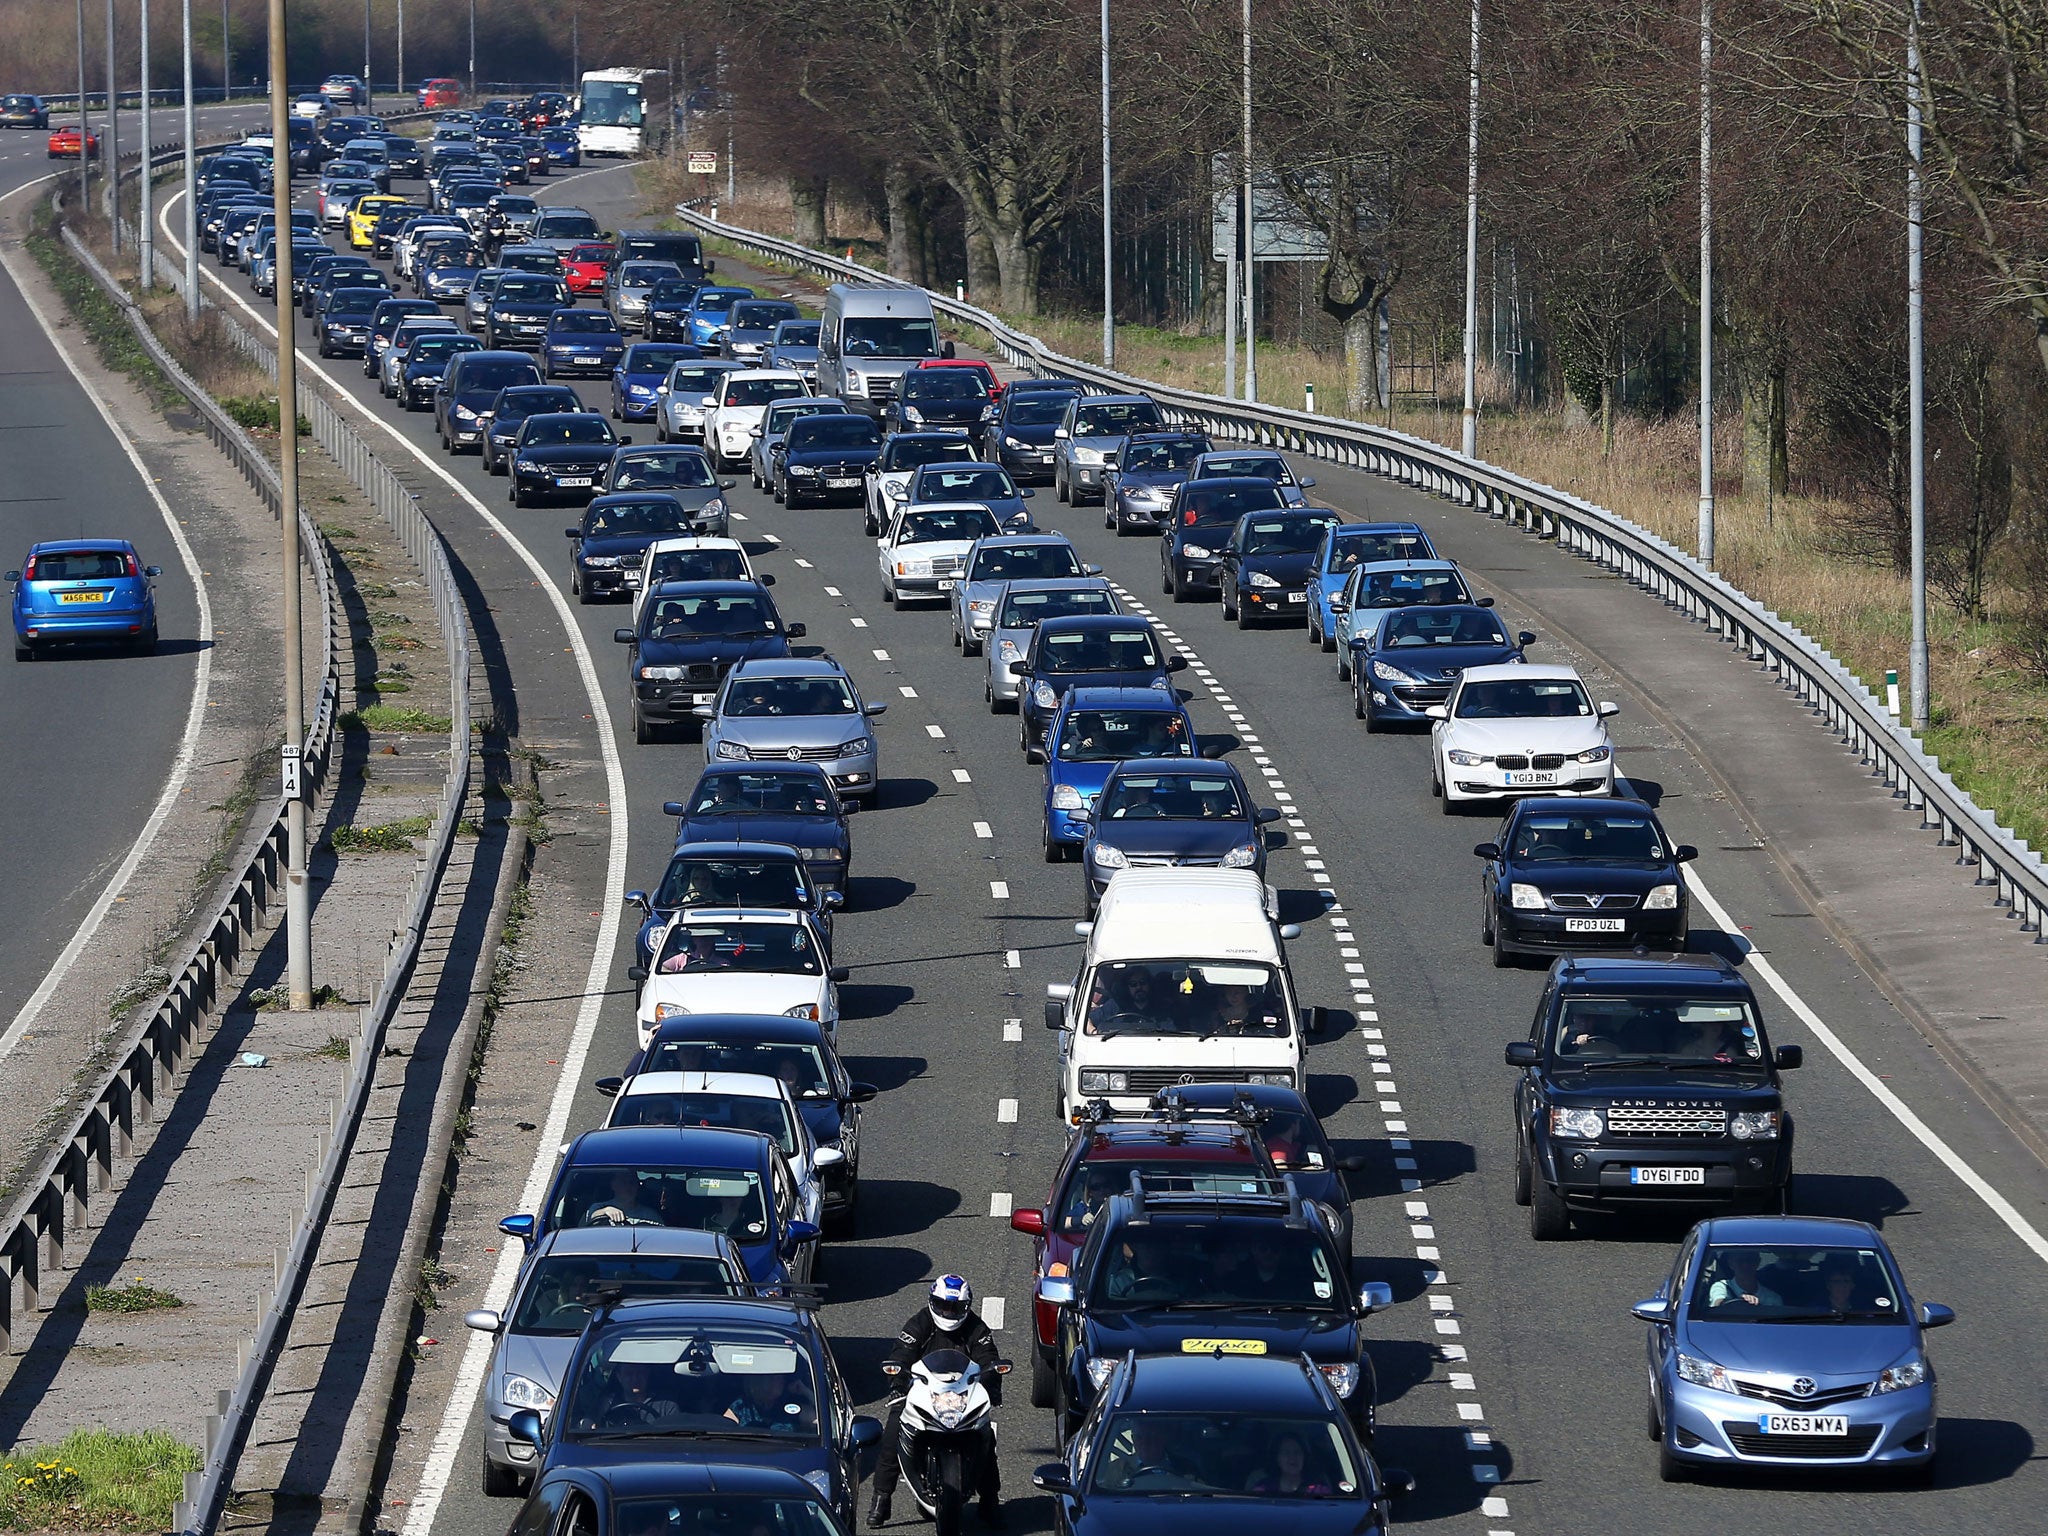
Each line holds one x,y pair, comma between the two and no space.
1648,1081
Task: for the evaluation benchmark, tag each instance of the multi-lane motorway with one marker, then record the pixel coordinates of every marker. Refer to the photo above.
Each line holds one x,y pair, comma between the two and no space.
1512,1373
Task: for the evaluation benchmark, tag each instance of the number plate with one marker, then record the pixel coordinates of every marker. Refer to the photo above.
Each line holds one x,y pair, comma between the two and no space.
947,584
1532,778
574,480
1594,925
1297,597
702,698
81,597
840,484
1223,1346
1833,1424
1667,1175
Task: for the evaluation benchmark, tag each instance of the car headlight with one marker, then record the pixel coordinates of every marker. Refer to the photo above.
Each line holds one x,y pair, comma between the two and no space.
1099,1370
1108,857
1011,442
1525,898
731,749
601,562
1043,696
1909,1370
1270,1079
982,605
1754,1125
819,853
858,747
1105,1082
1343,1379
668,1011
1197,552
803,1011
1387,674
1067,798
1009,651
662,674
803,471
896,492
912,414
1576,1124
1161,683
525,1392
1702,1372
1460,758
1260,579
1662,898
1243,856
715,507
913,567
1087,455
527,467
1594,755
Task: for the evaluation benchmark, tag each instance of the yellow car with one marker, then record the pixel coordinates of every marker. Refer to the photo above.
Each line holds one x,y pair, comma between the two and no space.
362,218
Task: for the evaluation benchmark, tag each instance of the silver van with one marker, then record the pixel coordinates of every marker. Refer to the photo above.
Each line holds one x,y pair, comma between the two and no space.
869,337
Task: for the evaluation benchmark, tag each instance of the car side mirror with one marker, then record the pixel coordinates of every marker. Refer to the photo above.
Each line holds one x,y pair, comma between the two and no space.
609,1087
1081,818
152,570
1521,1053
873,710
1934,1315
1082,930
1061,433
1486,850
799,1233
831,901
525,1427
753,432
1396,1482
796,631
828,1157
13,576
1374,1296
863,1093
625,637
1091,570
703,711
1525,637
726,485
1306,485
671,807
1684,853
1214,750
1340,605
865,1430
1056,998
520,1226
484,1321
838,973
1176,663
1056,1292
1290,930
1608,708
1656,1310
1438,712
1266,815
766,578
572,533
1031,1222
1026,492
1315,1023
945,349
636,973
1788,1058
1482,602
626,441
1053,1477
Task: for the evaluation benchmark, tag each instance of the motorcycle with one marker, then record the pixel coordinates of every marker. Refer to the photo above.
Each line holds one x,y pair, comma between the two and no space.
947,1435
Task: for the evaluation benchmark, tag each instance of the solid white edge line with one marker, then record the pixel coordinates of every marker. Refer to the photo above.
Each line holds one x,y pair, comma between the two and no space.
202,677
469,1375
1902,1112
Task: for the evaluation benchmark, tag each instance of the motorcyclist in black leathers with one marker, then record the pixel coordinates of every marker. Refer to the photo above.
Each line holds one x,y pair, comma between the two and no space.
946,1321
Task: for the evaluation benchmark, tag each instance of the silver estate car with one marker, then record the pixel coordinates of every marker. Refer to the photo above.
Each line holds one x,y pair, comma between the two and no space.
993,564
1017,609
557,1291
796,709
1789,1341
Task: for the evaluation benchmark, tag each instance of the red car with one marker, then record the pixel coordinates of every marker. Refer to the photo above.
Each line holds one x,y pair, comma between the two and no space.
64,144
434,94
587,267
1204,1149
995,385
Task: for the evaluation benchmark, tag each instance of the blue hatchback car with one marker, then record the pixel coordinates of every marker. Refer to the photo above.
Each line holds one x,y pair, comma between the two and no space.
1345,546
83,591
581,341
1093,730
638,376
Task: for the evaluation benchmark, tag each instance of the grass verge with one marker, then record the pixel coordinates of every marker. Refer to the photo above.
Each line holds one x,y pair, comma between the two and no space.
94,1479
389,837
390,717
135,1296
97,315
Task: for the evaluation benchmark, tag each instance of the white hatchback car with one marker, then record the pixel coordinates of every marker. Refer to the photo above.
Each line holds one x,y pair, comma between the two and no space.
924,550
740,960
737,406
733,1101
1518,729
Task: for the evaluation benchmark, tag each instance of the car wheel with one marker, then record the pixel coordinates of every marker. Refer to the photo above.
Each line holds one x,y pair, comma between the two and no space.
778,492
1054,853
499,1482
1550,1219
970,647
1669,1468
1344,664
1044,1387
23,652
840,1224
1229,608
1360,710
888,594
517,496
1327,641
660,427
1244,618
1503,957
643,733
1025,740
1109,518
1522,1174
1059,489
1653,1428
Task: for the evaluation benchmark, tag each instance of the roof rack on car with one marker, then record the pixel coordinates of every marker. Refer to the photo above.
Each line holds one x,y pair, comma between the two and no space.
608,1297
1268,1194
1243,1110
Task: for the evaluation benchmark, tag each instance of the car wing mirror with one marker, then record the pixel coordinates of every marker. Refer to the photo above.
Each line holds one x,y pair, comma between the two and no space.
1934,1315
636,973
1525,637
1486,850
609,1086
152,570
1265,815
572,533
1656,1310
1307,485
1091,570
766,578
1438,712
520,1226
1608,708
1056,1292
838,973
703,711
865,1430
1214,749
831,901
1788,1058
525,1426
796,631
863,1093
1030,1221
1290,930
1057,996
874,709
1684,853
626,637
828,1157
1482,602
1176,663
1053,1477
1061,433
1374,1296
726,485
483,1321
671,807
1521,1053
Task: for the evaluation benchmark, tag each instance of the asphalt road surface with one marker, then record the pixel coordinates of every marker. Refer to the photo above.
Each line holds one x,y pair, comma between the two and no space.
1511,1374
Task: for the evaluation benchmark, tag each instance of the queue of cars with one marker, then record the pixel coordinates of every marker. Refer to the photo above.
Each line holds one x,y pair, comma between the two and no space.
1200,1312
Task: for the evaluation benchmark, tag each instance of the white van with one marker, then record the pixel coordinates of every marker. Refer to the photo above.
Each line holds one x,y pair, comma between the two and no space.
869,337
1184,981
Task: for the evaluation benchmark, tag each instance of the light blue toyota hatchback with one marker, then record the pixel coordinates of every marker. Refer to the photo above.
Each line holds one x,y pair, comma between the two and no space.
83,591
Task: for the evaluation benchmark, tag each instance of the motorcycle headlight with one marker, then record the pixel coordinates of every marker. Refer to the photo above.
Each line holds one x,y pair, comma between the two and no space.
668,1011
1909,1370
859,746
1387,674
1702,1372
1462,759
1243,856
1043,696
1197,551
1343,1379
1594,755
1261,580
525,1392
802,1011
1576,1124
1754,1125
1104,1082
1108,857
1099,1370
1067,798
731,749
1525,898
1662,898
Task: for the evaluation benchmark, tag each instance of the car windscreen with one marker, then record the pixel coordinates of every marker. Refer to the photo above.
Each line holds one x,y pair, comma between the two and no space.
644,273
1413,628
719,300
673,290
1024,610
354,301
1795,1283
519,205
1252,466
800,1067
783,412
656,357
1283,535
698,565
546,399
797,333
593,255
1202,999
724,1200
916,452
534,290
1108,735
937,483
1098,650
885,336
566,226
1663,1028
610,519
1224,1454
496,375
834,429
653,469
698,880
1168,797
726,613
724,794
531,261
438,345
1158,458
944,384
676,250
746,392
1543,698
1116,418
763,698
1043,408
1408,589
722,1111
954,524
1222,1262
696,948
697,381
729,1383
760,315
1201,503
1576,835
1024,562
562,1290
569,429
582,322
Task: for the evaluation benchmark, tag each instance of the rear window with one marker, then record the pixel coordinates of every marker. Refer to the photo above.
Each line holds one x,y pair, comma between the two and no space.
80,565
